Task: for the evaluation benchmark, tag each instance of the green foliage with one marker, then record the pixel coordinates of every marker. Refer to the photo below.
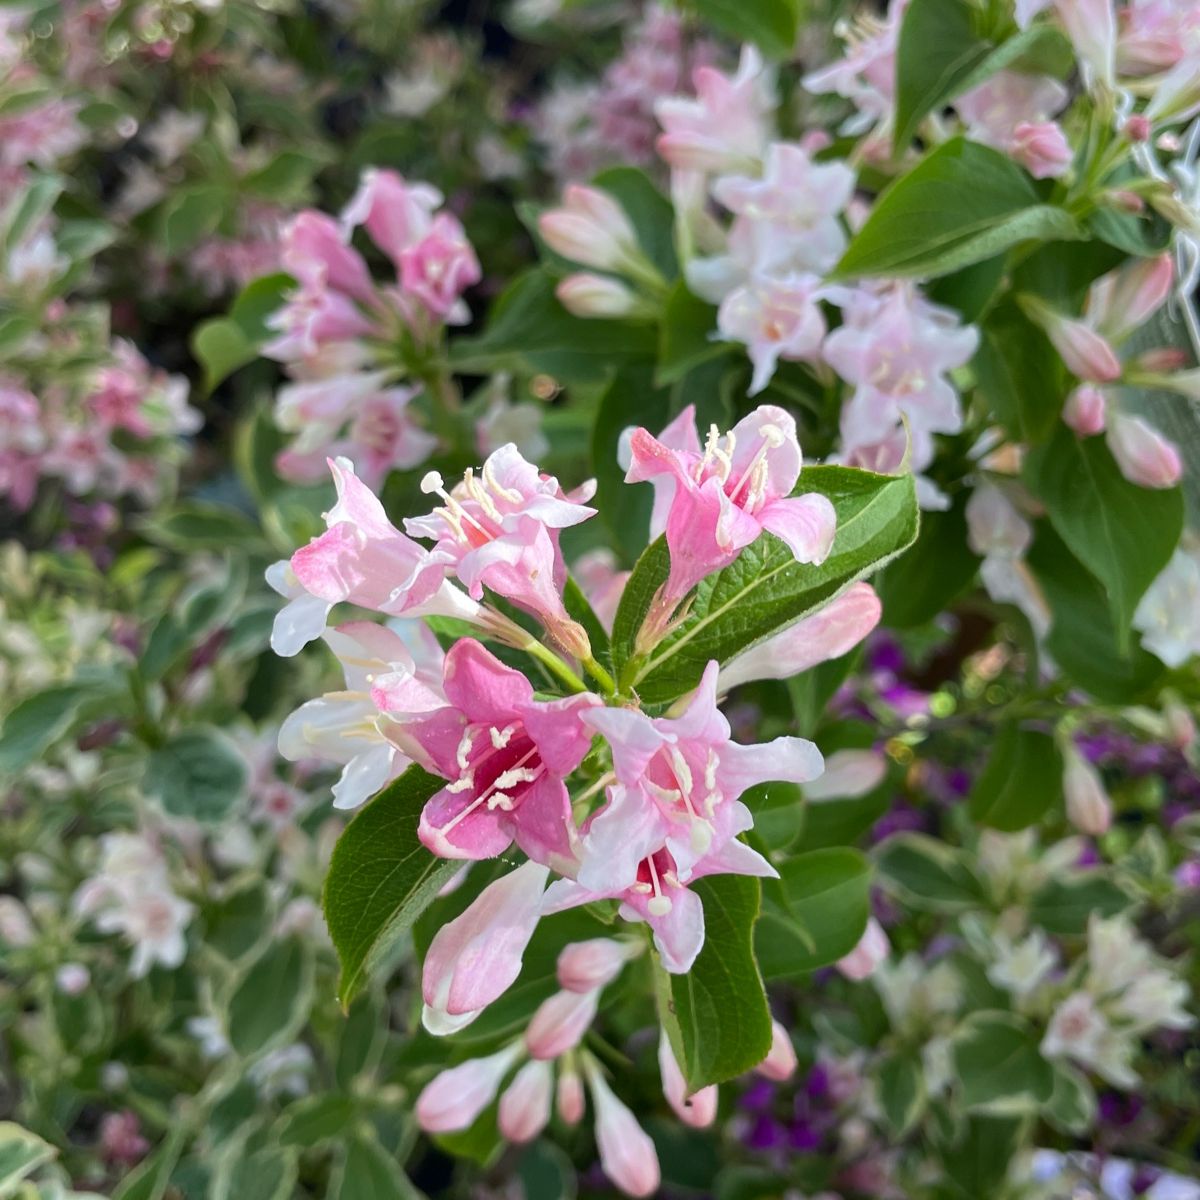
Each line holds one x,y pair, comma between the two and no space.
196,774
1021,781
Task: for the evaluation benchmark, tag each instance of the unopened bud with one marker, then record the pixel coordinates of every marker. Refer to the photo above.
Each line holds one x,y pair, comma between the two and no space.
1084,411
588,295
1163,358
591,228
525,1105
16,929
1088,806
1143,455
569,1099
1181,725
872,950
72,979
453,1099
698,1109
560,1023
780,1062
1084,351
585,966
1136,127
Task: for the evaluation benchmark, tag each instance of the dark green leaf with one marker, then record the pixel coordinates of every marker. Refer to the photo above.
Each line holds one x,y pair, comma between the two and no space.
765,589
928,873
273,998
37,722
197,773
1021,781
716,1015
962,204
999,1065
316,1119
1063,906
901,1083
381,878
191,214
1123,534
1072,1105
769,24
266,1174
1020,374
683,335
200,525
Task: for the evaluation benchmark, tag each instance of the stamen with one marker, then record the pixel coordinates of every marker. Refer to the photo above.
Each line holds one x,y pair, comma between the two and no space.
505,802
489,477
478,493
462,754
464,783
501,737
659,905
772,438
433,484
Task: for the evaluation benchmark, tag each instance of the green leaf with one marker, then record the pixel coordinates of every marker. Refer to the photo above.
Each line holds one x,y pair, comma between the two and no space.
1063,906
769,24
961,204
1020,374
1072,1105
197,774
368,1172
547,1173
200,525
939,47
817,915
37,722
921,583
224,344
1021,781
901,1087
316,1119
683,335
191,214
1123,534
999,1066
716,1015
381,878
273,998
266,1174
80,240
21,1153
33,202
650,213
928,873
287,176
765,590
980,1158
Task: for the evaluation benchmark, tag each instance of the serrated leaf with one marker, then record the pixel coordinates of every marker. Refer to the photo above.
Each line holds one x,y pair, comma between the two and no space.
961,204
381,878
765,590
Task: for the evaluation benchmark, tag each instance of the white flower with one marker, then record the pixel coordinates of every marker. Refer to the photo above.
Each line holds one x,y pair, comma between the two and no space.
1022,967
1116,955
283,1072
1156,999
1168,615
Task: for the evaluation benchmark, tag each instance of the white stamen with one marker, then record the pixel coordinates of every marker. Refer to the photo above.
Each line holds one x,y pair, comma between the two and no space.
464,783
489,477
462,756
501,737
658,905
500,800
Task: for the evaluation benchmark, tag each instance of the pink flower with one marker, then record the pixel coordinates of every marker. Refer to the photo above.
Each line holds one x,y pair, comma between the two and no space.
1084,351
560,1022
700,1107
1154,35
505,754
596,573
316,254
994,525
1041,148
867,75
678,774
453,1099
591,228
790,214
993,110
396,214
1124,300
774,318
525,1105
722,500
585,966
828,633
302,619
627,1155
500,530
363,558
1089,808
1092,28
896,348
726,127
1144,456
475,958
439,268
1084,411
383,436
873,949
847,775
780,1062
121,1141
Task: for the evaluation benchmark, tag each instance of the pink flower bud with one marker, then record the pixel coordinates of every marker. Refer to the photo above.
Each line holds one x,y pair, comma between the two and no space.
1125,200
474,958
1084,410
1181,725
700,1107
16,929
1144,456
1162,358
560,1023
591,228
525,1106
848,774
569,1098
1041,148
585,966
872,949
627,1155
453,1099
1123,300
588,295
1136,127
780,1062
1088,806
1084,351
72,979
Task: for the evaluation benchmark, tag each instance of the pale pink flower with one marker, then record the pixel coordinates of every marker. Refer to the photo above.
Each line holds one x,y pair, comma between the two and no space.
590,228
1089,808
395,213
41,134
439,267
1144,456
1041,147
774,318
780,1062
559,1023
993,110
627,1155
475,958
867,75
120,1138
727,126
994,525
569,1098
678,777
500,530
596,573
1153,35
302,619
506,756
848,774
525,1104
828,633
698,1109
722,500
585,966
384,436
1085,409
453,1099
314,252
873,948
1092,28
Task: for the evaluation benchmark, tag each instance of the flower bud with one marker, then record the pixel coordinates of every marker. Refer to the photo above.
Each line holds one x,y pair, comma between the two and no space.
560,1023
453,1099
1088,806
1084,410
848,774
525,1105
1144,456
872,950
591,228
1124,300
588,295
627,1155
585,966
1084,351
72,979
1136,127
569,1096
780,1062
16,929
1041,148
698,1109
1181,726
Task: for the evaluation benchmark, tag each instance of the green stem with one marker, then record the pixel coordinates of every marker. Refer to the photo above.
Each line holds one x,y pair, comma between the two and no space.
554,664
600,675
